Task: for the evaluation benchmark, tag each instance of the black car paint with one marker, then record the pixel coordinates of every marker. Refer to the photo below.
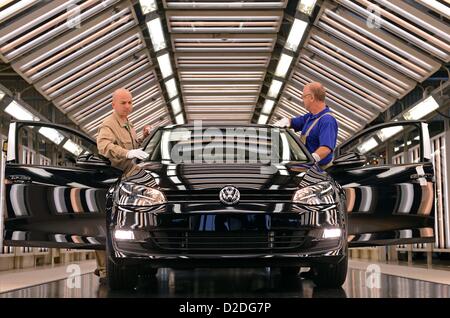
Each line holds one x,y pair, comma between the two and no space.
52,209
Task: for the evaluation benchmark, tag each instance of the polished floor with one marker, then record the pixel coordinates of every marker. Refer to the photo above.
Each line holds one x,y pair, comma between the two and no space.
258,282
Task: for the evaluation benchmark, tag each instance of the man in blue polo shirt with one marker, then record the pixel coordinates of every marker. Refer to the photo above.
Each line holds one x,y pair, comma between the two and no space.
318,128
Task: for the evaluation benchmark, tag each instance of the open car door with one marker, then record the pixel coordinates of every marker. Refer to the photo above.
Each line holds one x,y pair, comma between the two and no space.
55,194
387,174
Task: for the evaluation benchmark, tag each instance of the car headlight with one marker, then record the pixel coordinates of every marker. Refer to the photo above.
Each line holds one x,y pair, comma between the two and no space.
320,193
139,195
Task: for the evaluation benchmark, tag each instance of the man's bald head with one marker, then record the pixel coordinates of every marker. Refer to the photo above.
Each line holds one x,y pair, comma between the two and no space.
122,102
121,93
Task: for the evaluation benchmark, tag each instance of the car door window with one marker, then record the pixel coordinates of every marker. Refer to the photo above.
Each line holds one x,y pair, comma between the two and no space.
51,146
395,144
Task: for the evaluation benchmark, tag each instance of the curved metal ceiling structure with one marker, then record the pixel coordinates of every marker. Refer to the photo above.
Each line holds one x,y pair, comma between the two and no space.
76,53
368,54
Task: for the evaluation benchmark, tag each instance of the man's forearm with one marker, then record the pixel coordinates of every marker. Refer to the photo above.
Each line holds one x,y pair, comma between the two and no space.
322,152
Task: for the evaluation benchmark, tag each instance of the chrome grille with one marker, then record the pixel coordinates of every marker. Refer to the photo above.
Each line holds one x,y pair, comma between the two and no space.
232,241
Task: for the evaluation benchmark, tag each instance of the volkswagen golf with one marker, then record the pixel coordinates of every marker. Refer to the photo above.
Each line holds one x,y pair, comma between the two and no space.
222,196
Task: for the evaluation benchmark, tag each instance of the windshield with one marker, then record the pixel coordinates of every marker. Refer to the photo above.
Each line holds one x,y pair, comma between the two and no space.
224,145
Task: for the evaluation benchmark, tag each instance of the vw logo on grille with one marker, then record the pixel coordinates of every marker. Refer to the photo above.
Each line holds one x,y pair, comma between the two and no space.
229,195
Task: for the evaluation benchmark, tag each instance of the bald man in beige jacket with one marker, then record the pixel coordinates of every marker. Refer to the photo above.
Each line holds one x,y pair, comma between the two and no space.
117,140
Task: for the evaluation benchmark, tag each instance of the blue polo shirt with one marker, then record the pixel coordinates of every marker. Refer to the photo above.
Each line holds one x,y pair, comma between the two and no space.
323,134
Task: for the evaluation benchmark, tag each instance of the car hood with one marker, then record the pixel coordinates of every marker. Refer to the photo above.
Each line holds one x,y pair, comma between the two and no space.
188,177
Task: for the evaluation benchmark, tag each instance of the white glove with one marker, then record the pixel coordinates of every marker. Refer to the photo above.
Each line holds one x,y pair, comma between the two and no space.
137,153
283,123
316,157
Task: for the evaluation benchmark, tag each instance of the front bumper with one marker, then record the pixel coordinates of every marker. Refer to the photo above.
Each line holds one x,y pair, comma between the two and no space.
226,238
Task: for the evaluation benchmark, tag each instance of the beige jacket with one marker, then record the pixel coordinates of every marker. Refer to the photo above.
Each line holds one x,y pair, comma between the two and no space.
115,137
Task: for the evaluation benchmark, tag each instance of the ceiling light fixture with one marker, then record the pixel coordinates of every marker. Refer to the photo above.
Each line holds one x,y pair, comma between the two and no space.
156,34
275,88
306,6
19,112
148,6
422,109
263,119
176,106
165,65
268,105
171,87
296,34
283,65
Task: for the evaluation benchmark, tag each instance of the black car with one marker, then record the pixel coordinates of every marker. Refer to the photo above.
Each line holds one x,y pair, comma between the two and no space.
223,196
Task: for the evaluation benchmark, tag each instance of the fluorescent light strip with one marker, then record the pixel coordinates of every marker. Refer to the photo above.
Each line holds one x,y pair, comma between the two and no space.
208,17
156,34
148,6
306,6
221,103
268,106
275,88
283,65
165,65
223,30
171,87
176,106
296,34
422,109
225,5
19,112
263,119
179,119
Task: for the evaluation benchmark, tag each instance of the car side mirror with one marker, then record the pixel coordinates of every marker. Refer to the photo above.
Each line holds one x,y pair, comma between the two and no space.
350,160
91,160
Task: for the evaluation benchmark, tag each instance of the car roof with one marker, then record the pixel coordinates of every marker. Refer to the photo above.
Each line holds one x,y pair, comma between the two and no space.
218,125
